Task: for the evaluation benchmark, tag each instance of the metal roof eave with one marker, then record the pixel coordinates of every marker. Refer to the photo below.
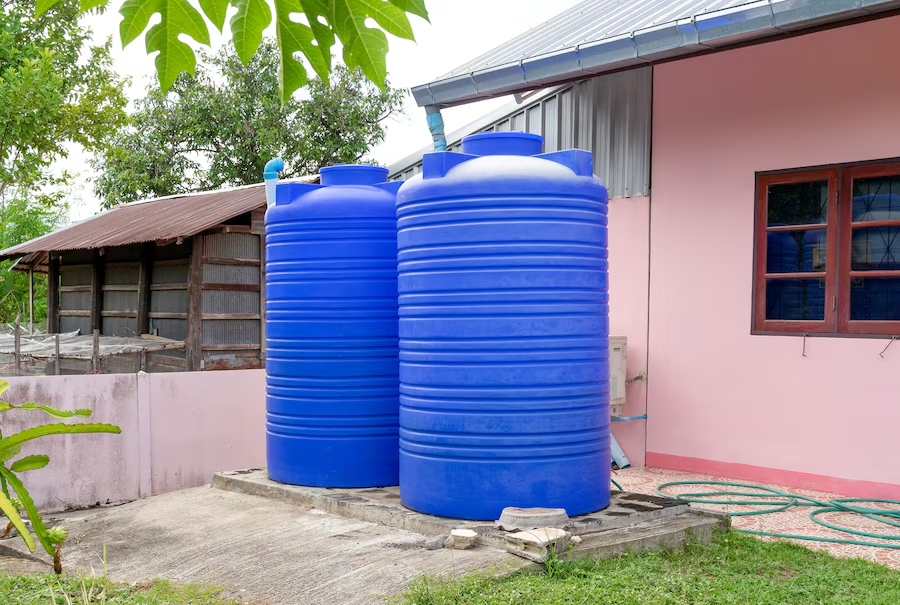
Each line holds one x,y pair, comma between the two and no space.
680,38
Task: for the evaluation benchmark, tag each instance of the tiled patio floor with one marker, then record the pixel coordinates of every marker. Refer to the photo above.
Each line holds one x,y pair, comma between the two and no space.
794,520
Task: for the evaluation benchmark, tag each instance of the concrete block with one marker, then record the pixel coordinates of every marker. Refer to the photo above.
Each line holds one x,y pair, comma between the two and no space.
461,539
513,518
538,544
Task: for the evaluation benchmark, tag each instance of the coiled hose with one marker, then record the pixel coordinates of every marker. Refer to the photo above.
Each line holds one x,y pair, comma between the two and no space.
777,501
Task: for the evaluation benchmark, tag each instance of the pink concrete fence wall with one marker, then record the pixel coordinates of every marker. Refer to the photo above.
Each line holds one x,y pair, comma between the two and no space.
720,399
177,430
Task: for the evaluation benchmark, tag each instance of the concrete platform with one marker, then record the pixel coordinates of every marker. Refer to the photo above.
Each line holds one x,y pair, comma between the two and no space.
631,522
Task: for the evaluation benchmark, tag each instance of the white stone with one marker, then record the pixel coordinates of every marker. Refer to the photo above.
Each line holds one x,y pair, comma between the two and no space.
538,544
461,539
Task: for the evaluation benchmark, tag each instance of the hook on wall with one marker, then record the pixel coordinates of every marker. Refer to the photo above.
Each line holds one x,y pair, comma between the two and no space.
804,343
893,338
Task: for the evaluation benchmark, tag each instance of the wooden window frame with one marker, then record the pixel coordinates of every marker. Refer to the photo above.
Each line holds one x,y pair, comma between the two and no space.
839,248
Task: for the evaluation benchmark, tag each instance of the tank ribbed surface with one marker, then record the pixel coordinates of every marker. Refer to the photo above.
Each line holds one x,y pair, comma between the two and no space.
331,331
504,331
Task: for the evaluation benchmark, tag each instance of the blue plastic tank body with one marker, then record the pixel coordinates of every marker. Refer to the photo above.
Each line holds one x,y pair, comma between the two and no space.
331,331
504,331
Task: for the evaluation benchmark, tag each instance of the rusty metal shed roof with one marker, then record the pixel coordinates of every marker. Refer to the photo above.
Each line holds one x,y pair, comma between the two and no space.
158,219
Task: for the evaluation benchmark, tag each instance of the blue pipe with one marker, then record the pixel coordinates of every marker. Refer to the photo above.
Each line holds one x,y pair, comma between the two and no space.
625,418
270,176
436,126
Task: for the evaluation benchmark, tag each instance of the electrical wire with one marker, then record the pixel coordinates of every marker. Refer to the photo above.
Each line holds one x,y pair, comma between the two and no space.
776,501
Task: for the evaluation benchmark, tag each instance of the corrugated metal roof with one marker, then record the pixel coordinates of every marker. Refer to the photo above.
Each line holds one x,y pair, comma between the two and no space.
598,36
152,220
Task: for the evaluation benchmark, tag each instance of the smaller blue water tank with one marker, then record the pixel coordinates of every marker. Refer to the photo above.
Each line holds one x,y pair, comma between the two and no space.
332,385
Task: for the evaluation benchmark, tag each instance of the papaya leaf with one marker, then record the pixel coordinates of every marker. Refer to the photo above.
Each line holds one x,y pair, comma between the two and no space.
37,522
247,25
364,47
176,17
3,386
86,5
215,11
413,7
16,440
391,19
10,453
294,37
7,508
30,463
55,412
42,6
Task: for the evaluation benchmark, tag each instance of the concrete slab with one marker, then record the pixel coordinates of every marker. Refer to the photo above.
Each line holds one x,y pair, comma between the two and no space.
643,521
263,551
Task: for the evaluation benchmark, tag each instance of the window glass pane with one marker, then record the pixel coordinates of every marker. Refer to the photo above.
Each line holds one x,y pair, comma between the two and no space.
875,299
876,249
876,199
795,251
798,203
795,299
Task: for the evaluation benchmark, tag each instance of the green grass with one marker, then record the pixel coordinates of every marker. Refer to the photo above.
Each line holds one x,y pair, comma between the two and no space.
36,590
734,569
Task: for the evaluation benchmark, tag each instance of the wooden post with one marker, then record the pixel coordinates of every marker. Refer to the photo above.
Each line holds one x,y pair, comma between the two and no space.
97,291
53,294
194,340
95,356
143,295
56,359
31,300
17,346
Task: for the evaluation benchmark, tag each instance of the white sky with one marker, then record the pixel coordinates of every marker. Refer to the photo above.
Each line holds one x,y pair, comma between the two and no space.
459,30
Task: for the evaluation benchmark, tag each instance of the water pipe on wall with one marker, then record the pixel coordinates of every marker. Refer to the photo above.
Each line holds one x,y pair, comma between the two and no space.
436,127
270,177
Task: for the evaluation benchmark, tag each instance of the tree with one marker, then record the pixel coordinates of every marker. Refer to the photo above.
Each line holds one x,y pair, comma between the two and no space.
55,90
220,127
22,219
327,22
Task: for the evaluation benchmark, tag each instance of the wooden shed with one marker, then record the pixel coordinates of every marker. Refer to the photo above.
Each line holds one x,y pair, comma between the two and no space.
189,268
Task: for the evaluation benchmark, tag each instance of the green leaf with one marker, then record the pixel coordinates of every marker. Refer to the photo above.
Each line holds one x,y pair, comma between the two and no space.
393,20
176,17
30,463
364,47
37,522
55,412
16,440
413,7
86,5
41,7
5,406
7,508
82,413
215,11
9,454
247,25
296,37
3,386
319,15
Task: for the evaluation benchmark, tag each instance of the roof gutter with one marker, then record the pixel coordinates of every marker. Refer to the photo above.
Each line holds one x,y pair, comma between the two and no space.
683,37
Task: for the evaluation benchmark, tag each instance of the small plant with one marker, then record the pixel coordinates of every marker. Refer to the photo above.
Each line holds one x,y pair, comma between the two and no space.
10,447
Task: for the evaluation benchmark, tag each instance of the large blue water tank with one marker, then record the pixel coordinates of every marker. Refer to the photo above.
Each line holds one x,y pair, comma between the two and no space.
504,331
331,331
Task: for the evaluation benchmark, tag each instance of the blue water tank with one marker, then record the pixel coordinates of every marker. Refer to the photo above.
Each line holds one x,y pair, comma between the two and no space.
331,331
504,331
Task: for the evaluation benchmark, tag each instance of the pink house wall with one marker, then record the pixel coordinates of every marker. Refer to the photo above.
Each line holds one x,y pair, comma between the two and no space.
629,268
721,400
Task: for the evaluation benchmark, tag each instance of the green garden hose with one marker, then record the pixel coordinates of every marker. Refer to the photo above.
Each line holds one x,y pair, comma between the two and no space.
618,487
776,501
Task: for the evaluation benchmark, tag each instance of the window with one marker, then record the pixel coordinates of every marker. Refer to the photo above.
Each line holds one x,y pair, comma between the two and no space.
828,251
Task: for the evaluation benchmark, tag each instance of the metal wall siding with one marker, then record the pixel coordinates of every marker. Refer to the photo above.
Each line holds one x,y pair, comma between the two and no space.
170,274
176,329
122,276
226,302
230,274
74,300
231,245
75,276
608,115
119,326
231,332
168,301
71,324
114,300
